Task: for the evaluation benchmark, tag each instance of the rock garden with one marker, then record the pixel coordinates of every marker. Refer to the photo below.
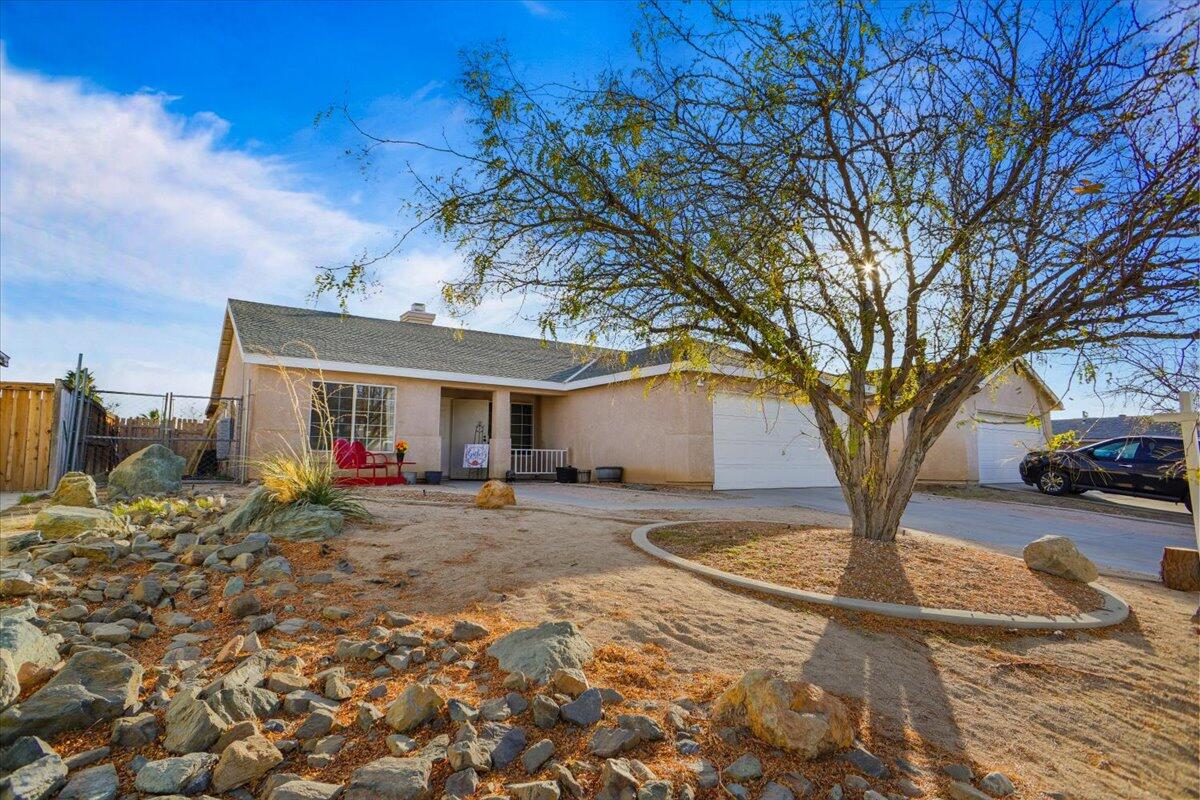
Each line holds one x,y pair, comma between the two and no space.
168,643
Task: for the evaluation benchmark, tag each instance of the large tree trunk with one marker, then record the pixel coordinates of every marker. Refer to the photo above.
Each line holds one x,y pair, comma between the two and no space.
877,488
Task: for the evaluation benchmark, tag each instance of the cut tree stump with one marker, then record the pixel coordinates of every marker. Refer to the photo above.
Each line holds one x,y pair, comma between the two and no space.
1181,569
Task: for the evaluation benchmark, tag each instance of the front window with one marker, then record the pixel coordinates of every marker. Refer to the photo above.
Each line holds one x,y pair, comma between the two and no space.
357,412
522,425
1118,450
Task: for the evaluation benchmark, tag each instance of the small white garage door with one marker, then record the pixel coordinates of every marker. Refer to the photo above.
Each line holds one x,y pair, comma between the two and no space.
1002,445
765,444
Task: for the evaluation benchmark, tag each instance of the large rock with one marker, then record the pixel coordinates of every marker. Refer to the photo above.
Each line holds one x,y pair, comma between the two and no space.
36,781
1058,555
187,774
305,790
192,725
793,715
391,778
538,652
63,522
256,504
301,523
17,583
495,494
30,650
415,706
95,685
75,489
150,471
94,783
245,761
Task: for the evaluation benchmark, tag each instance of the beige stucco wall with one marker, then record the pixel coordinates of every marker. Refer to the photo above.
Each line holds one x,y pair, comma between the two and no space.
954,457
280,400
660,432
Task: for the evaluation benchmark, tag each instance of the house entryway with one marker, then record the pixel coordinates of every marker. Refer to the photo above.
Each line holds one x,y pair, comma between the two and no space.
466,419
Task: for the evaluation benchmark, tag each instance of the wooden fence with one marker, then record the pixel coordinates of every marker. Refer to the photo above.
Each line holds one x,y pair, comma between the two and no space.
183,436
28,412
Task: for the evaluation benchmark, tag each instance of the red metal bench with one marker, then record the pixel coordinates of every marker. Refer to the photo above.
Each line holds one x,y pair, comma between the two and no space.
366,466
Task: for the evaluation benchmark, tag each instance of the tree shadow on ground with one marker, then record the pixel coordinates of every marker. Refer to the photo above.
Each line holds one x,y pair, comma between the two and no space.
899,689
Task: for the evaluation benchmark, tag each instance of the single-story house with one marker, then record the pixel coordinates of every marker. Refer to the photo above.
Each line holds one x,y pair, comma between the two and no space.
1096,429
540,404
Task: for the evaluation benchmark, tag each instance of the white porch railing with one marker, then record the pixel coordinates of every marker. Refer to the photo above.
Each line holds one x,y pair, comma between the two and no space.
528,461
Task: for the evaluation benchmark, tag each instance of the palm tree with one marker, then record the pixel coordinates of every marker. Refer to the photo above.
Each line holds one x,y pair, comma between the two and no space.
88,382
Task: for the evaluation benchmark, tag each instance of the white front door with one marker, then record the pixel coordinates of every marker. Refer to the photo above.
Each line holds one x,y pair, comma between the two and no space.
467,419
1001,446
766,444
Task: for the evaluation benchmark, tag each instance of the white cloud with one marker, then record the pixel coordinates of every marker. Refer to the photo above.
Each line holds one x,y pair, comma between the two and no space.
540,9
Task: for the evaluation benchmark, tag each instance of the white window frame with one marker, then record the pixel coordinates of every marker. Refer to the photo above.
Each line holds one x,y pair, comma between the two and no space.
391,436
532,424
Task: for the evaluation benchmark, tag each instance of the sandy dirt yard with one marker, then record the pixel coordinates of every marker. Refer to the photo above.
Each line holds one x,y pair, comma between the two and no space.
1109,714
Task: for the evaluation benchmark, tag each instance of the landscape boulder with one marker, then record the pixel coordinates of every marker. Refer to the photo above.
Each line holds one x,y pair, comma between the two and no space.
75,489
30,651
1058,555
93,783
495,494
415,706
539,651
244,761
391,778
63,522
95,685
300,523
793,715
17,583
152,470
38,780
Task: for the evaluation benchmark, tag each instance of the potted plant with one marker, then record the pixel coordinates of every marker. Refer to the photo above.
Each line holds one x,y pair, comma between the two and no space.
401,450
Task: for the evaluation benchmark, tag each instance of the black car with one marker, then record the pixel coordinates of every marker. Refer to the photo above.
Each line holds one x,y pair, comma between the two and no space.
1143,466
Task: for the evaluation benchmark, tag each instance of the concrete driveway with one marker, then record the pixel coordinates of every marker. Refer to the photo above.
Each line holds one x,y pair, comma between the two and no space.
1117,544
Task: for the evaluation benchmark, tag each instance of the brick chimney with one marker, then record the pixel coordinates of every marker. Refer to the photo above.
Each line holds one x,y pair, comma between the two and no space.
418,314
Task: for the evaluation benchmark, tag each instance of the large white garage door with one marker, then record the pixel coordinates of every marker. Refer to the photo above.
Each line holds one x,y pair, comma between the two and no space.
765,444
1002,445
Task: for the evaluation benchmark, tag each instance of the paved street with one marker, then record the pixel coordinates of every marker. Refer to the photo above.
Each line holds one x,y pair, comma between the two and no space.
1116,544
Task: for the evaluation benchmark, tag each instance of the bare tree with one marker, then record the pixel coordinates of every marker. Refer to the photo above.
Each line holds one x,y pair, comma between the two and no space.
877,210
1151,374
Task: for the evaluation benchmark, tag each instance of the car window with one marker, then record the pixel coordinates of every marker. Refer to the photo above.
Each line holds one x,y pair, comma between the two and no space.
1119,450
1165,450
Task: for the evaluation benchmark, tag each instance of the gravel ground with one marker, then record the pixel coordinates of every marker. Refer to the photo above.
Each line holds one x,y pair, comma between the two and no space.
1036,706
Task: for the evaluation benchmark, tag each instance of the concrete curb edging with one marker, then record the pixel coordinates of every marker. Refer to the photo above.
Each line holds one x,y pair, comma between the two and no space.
1114,610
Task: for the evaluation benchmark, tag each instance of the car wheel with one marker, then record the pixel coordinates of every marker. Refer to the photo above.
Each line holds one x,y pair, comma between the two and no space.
1054,482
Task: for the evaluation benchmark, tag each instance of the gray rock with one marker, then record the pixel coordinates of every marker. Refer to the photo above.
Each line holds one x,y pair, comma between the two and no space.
867,763
463,783
192,725
469,754
95,685
301,523
111,633
801,786
94,783
538,651
506,742
705,772
777,791
545,711
25,750
959,790
87,758
275,568
746,768
657,790
245,605
30,650
467,631
537,755
63,522
737,791
36,781
537,790
391,778
856,782
257,504
187,774
305,790
319,723
997,784
134,731
618,780
959,772
609,742
584,711
150,471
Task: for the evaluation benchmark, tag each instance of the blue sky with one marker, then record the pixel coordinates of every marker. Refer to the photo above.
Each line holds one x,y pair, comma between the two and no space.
156,158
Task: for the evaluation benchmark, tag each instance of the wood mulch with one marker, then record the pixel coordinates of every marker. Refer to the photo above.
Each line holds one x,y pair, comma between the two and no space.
913,570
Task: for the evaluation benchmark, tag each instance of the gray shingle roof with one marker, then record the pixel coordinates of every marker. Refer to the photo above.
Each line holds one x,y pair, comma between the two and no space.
1093,428
274,330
